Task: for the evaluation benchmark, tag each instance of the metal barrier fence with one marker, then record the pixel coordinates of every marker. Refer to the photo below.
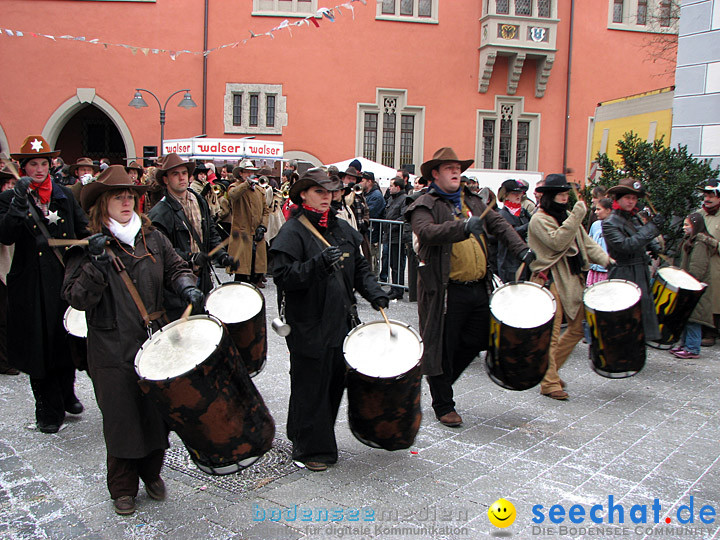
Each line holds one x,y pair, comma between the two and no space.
390,252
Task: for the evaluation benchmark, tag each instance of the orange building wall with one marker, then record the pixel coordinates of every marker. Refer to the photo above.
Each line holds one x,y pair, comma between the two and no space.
325,71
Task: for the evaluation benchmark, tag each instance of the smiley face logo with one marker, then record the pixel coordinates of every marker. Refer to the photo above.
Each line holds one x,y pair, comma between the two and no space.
501,513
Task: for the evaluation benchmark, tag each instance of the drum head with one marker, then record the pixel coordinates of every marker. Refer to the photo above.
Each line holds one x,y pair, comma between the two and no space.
371,350
679,278
611,295
522,305
234,302
178,348
75,322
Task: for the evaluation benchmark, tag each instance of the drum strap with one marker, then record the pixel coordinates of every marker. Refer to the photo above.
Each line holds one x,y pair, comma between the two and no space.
120,268
44,231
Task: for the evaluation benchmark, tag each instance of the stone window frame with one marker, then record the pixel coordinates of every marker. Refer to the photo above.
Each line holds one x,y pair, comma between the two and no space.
652,24
280,11
262,91
432,19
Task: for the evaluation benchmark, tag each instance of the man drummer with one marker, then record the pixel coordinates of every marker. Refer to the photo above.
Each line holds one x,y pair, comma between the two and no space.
184,217
453,277
709,211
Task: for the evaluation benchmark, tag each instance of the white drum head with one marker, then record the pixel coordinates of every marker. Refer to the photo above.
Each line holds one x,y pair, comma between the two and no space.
178,348
611,295
679,278
75,322
522,305
234,302
371,350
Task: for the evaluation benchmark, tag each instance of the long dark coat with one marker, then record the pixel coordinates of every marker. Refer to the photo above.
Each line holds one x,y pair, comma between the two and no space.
132,426
507,264
314,306
35,333
696,262
168,216
433,222
627,242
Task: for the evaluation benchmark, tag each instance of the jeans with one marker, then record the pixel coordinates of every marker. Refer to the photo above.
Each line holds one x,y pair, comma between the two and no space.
692,336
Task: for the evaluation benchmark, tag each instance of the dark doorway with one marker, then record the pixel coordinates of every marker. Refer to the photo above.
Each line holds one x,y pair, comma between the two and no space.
90,133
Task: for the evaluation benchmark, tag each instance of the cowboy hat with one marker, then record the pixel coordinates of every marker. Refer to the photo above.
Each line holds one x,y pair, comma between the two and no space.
135,165
710,186
35,146
627,186
113,178
351,171
508,186
83,162
444,155
170,162
554,182
313,177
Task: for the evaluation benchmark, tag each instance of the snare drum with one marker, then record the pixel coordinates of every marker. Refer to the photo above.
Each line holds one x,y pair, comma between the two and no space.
675,294
521,320
241,307
383,384
196,378
76,327
614,314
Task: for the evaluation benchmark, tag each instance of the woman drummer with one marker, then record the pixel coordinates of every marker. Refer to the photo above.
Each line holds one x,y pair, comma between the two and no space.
135,434
35,210
317,284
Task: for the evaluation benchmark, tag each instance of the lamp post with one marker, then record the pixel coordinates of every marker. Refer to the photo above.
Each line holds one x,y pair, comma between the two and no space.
138,102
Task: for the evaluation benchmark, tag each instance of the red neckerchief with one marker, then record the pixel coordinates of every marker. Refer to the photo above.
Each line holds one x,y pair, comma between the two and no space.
513,208
616,206
711,211
44,189
323,215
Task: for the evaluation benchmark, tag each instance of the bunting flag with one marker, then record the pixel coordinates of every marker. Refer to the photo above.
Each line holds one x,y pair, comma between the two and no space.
328,13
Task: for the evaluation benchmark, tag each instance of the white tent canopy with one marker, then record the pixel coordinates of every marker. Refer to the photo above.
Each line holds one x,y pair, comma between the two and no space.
383,174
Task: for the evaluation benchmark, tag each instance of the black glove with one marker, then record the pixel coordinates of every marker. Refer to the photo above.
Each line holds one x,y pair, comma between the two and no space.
260,233
331,255
21,191
227,261
380,302
96,244
527,256
474,225
658,220
206,190
194,296
199,259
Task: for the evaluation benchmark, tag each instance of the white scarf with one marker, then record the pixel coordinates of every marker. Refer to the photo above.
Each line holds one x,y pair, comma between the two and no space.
126,233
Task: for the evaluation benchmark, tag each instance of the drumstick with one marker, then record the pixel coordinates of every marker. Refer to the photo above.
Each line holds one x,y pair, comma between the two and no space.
488,208
650,204
519,271
10,165
393,333
58,242
235,235
186,313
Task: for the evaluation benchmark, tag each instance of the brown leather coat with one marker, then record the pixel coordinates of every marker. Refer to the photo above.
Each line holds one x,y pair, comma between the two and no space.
249,211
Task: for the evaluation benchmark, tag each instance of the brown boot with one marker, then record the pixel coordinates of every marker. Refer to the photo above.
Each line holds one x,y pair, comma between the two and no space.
124,505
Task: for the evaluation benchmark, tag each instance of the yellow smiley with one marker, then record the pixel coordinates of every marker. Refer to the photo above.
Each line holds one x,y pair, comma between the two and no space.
501,513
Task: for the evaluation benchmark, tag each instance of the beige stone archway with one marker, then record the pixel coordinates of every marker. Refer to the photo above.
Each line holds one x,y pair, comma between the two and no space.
4,144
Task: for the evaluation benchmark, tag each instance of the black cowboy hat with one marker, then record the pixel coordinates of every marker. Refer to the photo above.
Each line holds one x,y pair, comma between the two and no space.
554,182
314,177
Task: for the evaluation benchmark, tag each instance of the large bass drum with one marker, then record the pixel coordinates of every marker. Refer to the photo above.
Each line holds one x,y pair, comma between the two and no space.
196,378
614,314
383,384
241,307
675,294
521,319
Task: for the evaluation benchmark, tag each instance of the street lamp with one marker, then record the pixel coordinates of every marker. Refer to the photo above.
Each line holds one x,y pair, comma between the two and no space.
138,102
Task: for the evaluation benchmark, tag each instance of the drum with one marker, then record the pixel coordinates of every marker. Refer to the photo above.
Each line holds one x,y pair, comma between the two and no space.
193,372
521,320
76,327
614,315
675,293
383,384
241,307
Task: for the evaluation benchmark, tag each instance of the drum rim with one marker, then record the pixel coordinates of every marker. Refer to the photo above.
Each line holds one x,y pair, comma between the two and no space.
593,309
369,323
536,285
234,284
673,287
138,354
69,310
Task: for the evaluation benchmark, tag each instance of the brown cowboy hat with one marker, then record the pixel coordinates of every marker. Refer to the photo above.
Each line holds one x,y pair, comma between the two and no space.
314,177
113,178
83,162
351,171
443,155
135,165
170,162
6,174
627,186
35,146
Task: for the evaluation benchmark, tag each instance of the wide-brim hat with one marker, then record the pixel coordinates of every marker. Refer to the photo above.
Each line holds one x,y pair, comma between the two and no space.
135,165
444,155
6,174
83,162
170,162
554,183
113,178
627,186
314,177
508,186
710,186
351,171
35,146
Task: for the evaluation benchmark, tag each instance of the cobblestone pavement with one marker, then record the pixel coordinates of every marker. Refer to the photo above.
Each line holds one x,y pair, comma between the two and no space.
642,448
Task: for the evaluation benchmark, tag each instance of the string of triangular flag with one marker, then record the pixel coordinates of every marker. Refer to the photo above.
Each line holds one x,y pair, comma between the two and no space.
324,12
